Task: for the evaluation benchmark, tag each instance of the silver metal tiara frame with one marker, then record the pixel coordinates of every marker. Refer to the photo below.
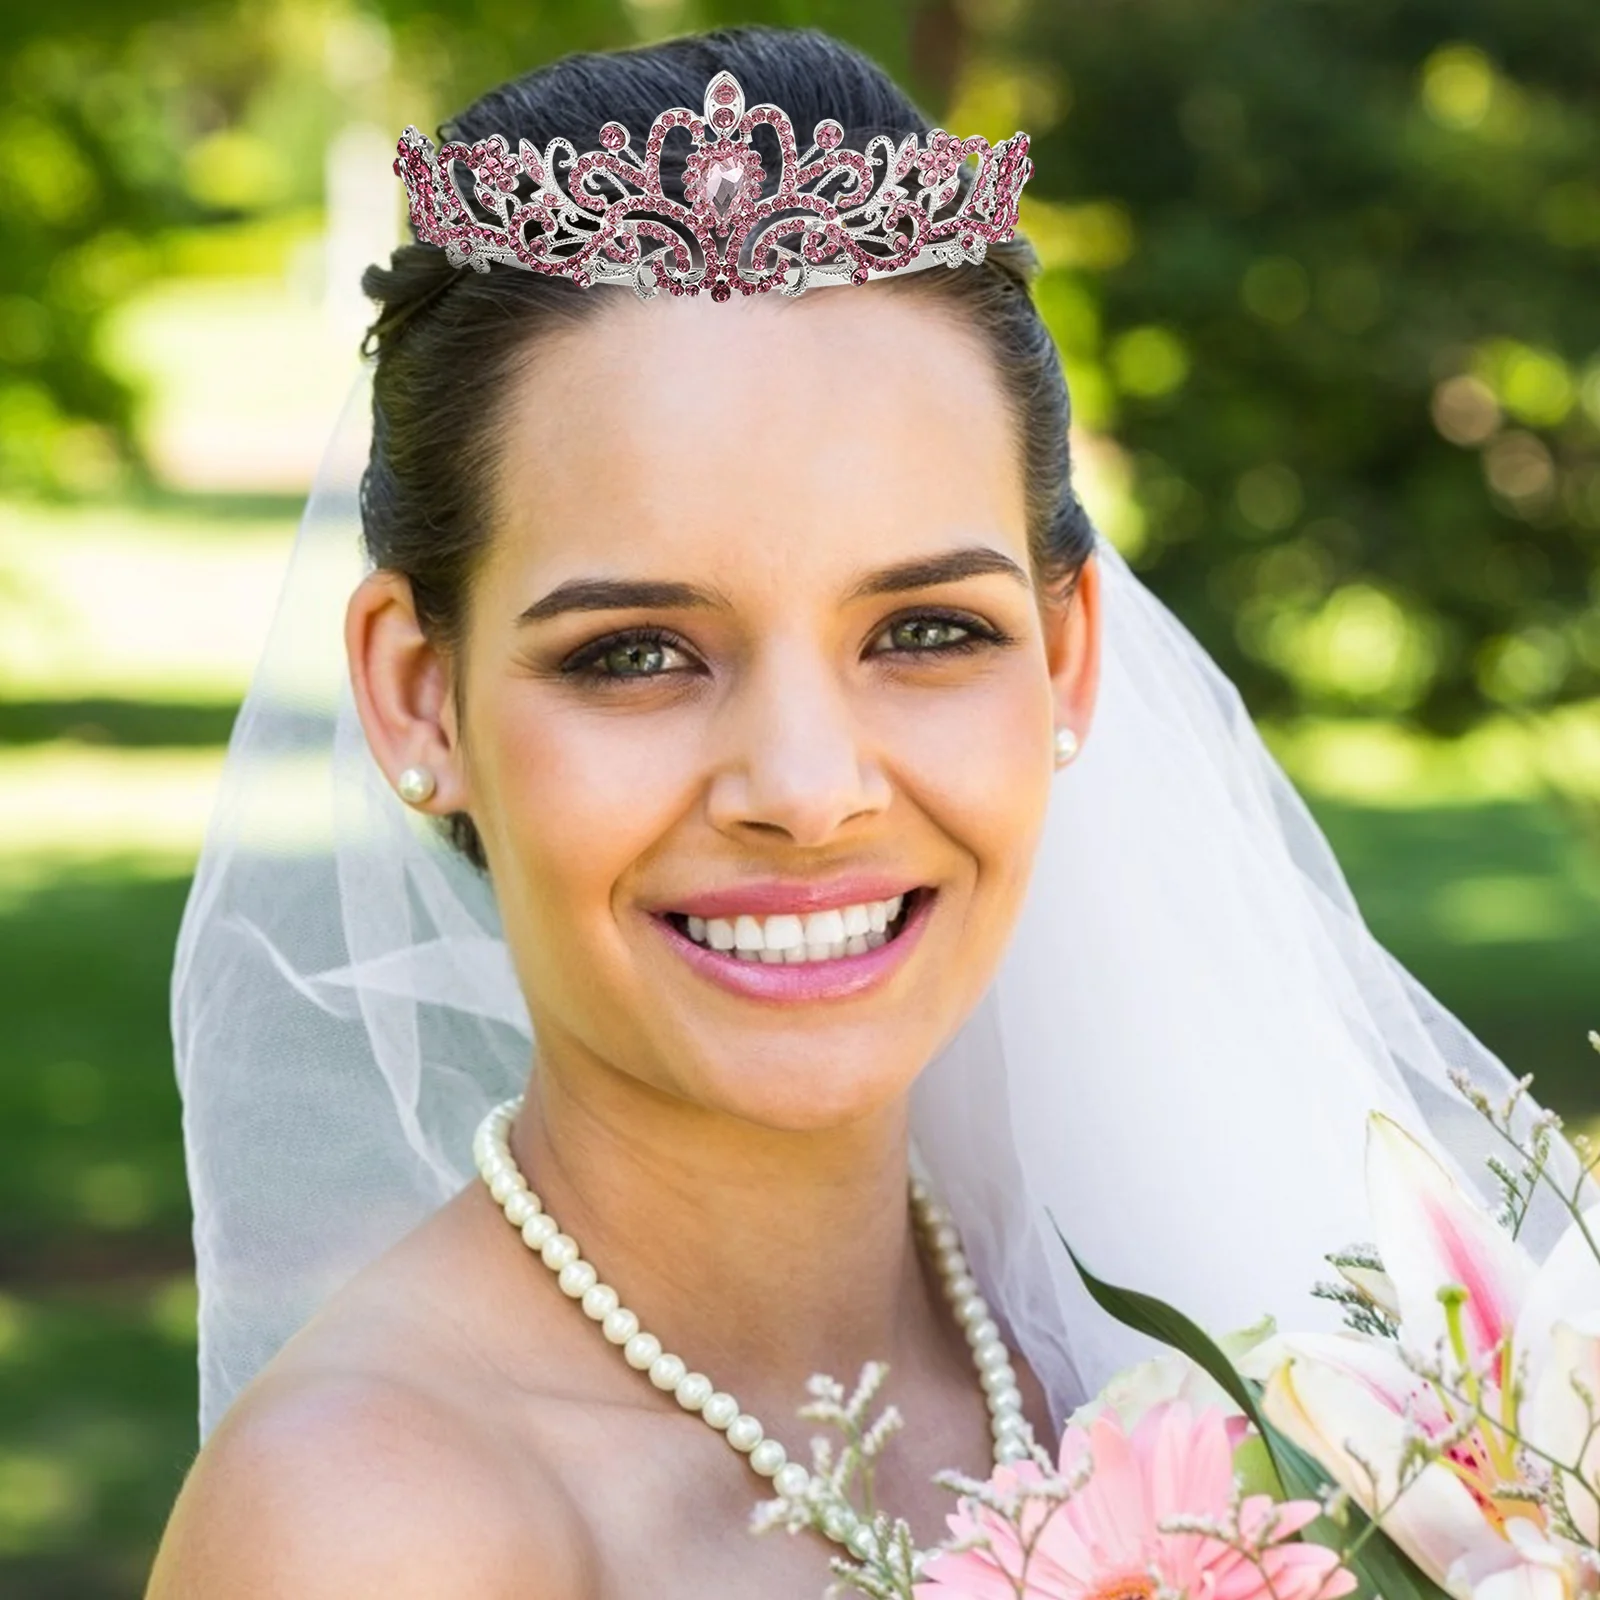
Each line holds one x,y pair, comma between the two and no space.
835,216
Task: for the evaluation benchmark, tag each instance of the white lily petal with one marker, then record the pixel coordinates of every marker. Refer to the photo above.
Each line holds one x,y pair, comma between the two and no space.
1430,1234
1523,1580
1558,1420
1339,1396
1567,1282
1374,1286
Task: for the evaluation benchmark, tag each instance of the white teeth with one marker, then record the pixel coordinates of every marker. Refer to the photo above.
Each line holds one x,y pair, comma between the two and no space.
783,933
789,938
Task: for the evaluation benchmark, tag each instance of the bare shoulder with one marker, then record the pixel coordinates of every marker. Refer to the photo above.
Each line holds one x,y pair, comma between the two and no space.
332,1484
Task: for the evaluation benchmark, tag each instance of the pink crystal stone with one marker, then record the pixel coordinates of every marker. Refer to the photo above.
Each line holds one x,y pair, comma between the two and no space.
613,136
723,180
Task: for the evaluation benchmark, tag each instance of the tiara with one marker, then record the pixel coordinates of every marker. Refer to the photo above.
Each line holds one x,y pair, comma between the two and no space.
836,215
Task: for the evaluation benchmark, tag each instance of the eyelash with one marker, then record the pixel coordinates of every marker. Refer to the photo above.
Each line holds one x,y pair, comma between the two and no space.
585,661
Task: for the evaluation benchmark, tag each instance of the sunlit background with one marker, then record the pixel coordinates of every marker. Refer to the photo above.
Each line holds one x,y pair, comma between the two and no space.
1325,279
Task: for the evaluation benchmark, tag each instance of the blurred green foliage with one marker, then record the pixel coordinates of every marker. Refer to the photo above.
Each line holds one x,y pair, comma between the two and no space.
1352,345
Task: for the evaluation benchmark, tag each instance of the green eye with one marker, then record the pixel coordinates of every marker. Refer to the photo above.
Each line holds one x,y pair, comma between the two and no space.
630,656
927,633
639,658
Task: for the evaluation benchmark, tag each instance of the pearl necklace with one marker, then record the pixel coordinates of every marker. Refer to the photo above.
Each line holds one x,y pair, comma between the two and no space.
694,1391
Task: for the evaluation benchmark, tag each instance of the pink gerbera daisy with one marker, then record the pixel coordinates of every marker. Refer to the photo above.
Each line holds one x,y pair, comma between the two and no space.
1105,1542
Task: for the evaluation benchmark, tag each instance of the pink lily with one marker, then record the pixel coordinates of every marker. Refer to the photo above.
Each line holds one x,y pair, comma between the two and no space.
1520,1346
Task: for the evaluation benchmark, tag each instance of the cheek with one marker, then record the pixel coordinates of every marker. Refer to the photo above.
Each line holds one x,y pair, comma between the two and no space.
574,797
976,761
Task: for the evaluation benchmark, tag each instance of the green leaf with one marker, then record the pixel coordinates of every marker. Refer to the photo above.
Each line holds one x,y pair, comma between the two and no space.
1380,1566
1145,1314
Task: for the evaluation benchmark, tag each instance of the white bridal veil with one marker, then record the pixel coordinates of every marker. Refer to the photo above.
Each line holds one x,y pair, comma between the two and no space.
1175,1061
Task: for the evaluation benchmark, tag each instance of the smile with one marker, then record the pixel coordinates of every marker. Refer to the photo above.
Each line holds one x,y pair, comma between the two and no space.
799,956
791,938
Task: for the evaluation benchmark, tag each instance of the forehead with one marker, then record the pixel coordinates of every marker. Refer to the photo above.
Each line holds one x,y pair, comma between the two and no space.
848,425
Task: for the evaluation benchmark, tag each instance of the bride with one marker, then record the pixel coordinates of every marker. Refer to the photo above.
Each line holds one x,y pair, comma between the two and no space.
740,704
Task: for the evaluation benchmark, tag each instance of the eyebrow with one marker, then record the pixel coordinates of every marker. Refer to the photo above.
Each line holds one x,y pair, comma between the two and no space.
619,594
644,594
975,561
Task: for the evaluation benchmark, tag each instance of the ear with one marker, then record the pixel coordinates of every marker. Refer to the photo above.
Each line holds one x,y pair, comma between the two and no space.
1072,621
403,689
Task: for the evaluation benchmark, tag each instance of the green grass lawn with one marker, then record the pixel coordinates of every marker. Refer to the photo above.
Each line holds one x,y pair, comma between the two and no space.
1488,890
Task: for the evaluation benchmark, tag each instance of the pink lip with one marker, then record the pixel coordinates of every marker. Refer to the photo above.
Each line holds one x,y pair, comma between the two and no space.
777,895
807,981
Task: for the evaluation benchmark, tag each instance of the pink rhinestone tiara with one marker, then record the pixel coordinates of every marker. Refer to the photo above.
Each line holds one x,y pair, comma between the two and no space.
837,215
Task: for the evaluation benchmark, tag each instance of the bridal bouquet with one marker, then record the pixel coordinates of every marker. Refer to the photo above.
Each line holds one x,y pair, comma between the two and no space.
1447,1444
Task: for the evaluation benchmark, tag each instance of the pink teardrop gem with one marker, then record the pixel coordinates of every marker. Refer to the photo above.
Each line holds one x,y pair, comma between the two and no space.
723,181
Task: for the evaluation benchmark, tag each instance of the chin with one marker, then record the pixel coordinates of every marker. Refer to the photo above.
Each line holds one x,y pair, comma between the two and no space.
796,1096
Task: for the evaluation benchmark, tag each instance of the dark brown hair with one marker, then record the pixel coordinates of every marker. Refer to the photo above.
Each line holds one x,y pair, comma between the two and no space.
447,337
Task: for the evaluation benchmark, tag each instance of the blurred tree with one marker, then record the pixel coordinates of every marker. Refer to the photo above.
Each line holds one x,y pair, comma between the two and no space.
128,125
1345,330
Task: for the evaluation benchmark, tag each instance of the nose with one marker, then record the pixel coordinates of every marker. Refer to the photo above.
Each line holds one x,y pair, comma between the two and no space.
796,765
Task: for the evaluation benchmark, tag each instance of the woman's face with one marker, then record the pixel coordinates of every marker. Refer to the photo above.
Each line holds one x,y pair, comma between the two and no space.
755,657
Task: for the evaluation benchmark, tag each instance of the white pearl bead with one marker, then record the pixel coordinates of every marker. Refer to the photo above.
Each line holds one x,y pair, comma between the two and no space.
1010,1449
971,1308
504,1184
790,1480
991,1354
959,1287
982,1332
559,1252
667,1372
1009,1399
720,1410
599,1302
1011,1425
693,1390
641,1351
538,1231
620,1326
521,1207
944,1237
577,1278
997,1379
768,1458
745,1432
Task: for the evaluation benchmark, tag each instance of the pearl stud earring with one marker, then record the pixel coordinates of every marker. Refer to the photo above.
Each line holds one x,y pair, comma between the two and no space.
415,786
1066,746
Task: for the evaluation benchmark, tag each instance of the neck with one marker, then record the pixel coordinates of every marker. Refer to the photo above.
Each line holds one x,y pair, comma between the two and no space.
760,1256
